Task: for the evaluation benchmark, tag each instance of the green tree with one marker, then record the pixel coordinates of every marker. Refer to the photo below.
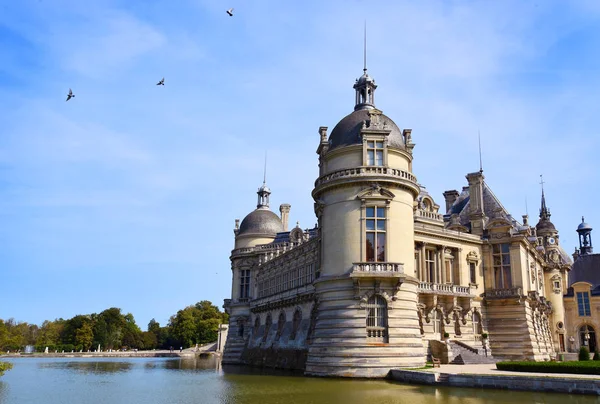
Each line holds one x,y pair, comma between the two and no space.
196,324
50,333
4,366
108,328
84,336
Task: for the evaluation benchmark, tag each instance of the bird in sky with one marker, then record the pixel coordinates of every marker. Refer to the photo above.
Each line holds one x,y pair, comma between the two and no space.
70,95
161,82
230,12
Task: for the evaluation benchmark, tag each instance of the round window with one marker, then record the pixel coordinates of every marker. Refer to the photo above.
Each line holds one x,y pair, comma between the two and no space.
560,325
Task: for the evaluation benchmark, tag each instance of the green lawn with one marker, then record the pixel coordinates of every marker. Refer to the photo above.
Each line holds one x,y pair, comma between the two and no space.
579,367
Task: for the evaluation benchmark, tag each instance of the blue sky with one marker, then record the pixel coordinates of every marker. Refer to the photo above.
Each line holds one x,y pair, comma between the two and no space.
126,195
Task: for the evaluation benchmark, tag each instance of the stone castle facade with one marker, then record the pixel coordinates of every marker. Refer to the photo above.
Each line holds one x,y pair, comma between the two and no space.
385,279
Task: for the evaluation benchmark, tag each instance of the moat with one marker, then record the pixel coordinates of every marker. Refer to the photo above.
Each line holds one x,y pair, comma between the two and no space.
203,380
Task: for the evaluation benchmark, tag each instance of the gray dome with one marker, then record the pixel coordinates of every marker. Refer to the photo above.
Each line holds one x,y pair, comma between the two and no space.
364,79
545,225
347,131
584,226
261,222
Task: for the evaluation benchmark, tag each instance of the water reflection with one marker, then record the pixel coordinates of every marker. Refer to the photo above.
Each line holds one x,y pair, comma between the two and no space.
90,367
201,380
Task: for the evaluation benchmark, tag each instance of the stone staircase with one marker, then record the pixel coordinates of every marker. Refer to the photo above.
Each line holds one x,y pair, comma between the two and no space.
233,350
443,378
464,354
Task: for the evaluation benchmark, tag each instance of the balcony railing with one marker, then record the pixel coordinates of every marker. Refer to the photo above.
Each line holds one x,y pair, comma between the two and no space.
378,334
366,171
504,293
443,288
378,267
429,215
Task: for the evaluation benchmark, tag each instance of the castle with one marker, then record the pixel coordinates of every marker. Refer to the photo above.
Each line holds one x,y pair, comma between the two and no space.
385,280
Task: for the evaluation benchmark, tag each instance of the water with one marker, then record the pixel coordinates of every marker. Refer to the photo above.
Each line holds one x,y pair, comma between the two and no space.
183,381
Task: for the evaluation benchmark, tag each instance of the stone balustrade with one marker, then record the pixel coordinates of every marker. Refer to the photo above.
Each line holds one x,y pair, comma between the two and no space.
365,171
503,293
429,215
378,267
444,288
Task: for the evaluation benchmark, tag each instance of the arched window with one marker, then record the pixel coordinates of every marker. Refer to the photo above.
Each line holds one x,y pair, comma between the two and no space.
377,319
240,325
268,324
256,327
280,325
587,337
476,323
296,321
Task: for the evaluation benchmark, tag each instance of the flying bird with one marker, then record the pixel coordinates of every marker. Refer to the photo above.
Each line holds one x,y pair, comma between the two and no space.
230,12
161,82
70,95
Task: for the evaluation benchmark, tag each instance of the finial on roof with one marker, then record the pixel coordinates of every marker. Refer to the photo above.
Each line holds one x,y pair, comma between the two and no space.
480,160
265,169
544,211
365,49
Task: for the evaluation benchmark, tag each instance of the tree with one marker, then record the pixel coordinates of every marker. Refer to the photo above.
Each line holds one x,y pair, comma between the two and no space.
196,324
84,336
4,366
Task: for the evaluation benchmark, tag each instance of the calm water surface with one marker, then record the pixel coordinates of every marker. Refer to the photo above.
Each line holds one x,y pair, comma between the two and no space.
182,381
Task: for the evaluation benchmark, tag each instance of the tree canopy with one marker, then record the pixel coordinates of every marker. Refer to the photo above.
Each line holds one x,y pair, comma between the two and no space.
111,329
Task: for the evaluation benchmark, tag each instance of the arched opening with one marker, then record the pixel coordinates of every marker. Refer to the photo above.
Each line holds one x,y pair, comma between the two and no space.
268,324
377,319
296,320
256,327
477,330
438,324
280,325
240,325
587,337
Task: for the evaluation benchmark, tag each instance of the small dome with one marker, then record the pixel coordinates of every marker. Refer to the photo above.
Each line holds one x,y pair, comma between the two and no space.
261,222
583,226
347,131
545,225
365,78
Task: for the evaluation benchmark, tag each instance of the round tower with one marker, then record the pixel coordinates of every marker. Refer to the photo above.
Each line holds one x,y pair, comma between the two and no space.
555,273
366,313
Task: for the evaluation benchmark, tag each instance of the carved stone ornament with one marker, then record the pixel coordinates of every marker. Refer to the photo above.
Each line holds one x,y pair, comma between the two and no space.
370,293
473,256
554,256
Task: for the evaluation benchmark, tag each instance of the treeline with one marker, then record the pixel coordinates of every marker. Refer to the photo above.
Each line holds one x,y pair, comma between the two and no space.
111,329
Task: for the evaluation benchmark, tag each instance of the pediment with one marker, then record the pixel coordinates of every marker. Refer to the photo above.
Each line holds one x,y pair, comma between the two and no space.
375,192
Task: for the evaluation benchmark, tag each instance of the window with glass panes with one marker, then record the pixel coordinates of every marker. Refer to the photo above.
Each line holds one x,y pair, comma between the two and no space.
501,259
244,283
472,272
374,153
375,218
583,304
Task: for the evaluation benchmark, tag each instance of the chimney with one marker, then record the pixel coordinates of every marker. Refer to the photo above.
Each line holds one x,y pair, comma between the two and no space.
476,213
450,197
284,208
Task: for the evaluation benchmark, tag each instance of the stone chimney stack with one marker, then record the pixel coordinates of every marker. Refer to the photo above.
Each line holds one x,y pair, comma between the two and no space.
284,208
476,213
450,197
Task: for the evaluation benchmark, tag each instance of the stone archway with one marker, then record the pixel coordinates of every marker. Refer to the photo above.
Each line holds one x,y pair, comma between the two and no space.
587,337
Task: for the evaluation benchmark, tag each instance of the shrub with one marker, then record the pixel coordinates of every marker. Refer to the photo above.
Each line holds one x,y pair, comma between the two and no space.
4,366
584,354
446,335
596,355
582,368
484,335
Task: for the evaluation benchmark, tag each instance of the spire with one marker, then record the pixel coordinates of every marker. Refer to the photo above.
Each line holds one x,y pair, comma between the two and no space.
365,85
264,191
544,211
365,50
480,160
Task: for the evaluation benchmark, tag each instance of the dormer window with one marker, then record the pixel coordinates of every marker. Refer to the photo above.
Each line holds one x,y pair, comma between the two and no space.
375,153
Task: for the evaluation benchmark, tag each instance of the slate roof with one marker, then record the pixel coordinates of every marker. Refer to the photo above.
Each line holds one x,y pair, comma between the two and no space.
586,269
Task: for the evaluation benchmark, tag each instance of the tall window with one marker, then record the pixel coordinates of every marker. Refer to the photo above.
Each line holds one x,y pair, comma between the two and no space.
375,234
374,153
268,324
244,283
280,325
377,319
501,257
473,272
430,265
583,304
438,324
256,326
296,324
476,323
